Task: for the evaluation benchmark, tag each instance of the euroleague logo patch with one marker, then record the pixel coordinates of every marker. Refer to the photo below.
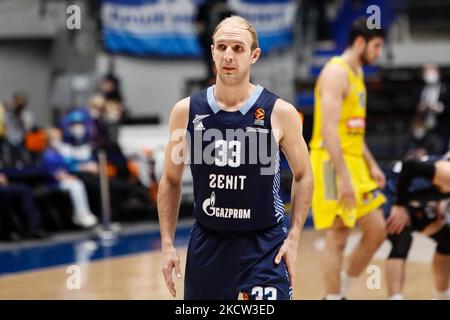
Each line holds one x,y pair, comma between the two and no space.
259,114
259,117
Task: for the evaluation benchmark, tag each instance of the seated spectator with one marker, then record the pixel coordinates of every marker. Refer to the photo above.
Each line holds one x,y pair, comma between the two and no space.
421,141
53,161
110,88
106,116
19,120
9,224
434,105
17,164
17,198
81,160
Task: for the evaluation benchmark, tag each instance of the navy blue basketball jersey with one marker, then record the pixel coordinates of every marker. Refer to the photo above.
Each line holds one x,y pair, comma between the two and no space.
418,183
422,195
234,161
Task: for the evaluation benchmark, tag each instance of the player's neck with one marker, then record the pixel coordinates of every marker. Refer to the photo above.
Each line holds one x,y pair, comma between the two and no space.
352,59
232,97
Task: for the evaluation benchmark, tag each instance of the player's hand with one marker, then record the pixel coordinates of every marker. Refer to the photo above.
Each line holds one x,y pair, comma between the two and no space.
89,167
347,195
288,251
377,174
398,219
441,219
434,226
170,260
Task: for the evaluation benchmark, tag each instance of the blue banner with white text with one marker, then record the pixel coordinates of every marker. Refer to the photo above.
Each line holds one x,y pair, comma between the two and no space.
167,27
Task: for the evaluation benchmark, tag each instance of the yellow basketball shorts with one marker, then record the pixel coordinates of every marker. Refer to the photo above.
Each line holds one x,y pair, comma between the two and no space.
325,206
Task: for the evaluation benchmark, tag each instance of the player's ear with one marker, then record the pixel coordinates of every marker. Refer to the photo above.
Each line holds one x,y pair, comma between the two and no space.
212,50
361,42
255,55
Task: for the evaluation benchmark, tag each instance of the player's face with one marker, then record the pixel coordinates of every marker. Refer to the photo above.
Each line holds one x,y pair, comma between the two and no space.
233,55
372,50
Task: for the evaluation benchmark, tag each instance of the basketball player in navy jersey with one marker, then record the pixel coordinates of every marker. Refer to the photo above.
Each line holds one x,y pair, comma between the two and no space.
231,133
419,190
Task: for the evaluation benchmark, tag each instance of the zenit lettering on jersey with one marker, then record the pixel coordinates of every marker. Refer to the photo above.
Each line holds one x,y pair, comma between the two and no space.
234,161
229,182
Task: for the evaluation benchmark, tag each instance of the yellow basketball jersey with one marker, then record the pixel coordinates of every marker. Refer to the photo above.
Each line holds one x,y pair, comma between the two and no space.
352,125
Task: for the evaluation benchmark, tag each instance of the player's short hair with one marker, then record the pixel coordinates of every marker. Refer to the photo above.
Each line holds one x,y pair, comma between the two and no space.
242,23
359,28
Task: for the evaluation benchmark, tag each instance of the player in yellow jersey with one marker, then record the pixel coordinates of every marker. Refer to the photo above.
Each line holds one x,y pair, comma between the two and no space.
347,177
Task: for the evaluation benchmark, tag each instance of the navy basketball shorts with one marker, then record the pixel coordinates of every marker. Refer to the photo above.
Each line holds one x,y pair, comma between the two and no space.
222,264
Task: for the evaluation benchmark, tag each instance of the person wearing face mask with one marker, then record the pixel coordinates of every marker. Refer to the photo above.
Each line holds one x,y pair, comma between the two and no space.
433,104
76,152
19,120
107,115
78,131
54,161
421,140
79,150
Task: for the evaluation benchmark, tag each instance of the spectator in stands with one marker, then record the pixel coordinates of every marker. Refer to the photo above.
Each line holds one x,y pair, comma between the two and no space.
434,104
80,158
110,88
7,226
19,120
53,161
15,195
421,140
107,109
106,117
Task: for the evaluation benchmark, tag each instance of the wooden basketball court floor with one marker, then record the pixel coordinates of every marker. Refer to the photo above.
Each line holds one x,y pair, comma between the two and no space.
138,276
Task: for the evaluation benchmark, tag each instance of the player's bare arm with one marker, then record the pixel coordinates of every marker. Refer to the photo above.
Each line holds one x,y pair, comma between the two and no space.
442,176
399,217
333,88
169,192
287,121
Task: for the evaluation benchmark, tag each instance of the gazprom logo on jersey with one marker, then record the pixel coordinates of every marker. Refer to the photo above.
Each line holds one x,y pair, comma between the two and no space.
233,148
211,210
